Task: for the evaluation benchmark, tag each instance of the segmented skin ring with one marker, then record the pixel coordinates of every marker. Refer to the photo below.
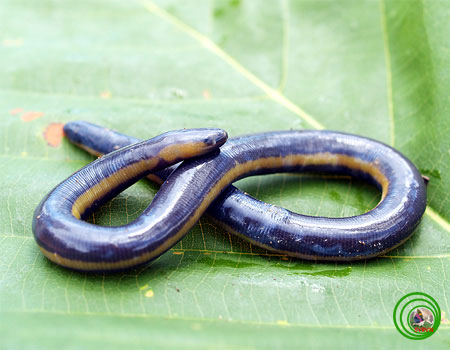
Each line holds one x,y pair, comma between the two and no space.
203,183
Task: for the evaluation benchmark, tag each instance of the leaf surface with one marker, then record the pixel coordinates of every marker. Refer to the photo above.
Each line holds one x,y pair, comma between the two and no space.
378,69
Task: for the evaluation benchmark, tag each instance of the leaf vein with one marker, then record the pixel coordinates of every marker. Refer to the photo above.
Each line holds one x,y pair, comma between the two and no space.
208,44
387,56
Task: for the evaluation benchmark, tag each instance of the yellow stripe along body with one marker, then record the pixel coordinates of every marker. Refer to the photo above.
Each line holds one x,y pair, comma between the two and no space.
203,184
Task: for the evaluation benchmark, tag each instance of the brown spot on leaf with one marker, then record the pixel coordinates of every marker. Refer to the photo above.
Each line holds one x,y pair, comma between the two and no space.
16,111
53,134
29,116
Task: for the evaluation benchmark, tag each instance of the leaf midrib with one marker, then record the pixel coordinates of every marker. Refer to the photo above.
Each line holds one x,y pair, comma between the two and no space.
273,94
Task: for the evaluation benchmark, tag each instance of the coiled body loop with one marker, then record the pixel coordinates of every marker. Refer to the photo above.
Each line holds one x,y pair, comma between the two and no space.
203,183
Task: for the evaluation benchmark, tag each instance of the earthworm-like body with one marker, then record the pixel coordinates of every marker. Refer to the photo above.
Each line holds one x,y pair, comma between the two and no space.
203,183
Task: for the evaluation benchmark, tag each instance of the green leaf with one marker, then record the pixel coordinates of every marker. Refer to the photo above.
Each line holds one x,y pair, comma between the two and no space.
378,69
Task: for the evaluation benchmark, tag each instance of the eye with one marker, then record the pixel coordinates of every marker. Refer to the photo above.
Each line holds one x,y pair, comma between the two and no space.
209,141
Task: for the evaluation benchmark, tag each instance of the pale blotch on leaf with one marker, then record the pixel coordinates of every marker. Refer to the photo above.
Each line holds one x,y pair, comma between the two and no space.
206,94
149,293
105,94
12,42
176,93
145,286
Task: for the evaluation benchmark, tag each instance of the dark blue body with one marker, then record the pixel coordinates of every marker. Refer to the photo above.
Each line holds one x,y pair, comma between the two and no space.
319,238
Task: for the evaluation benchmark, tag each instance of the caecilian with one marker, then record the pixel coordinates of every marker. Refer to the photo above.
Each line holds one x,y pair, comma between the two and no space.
203,183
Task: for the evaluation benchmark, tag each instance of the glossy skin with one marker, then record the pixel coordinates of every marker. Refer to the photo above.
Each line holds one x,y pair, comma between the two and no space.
205,182
74,243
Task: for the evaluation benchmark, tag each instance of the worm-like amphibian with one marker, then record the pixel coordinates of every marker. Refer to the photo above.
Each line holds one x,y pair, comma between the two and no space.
204,182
